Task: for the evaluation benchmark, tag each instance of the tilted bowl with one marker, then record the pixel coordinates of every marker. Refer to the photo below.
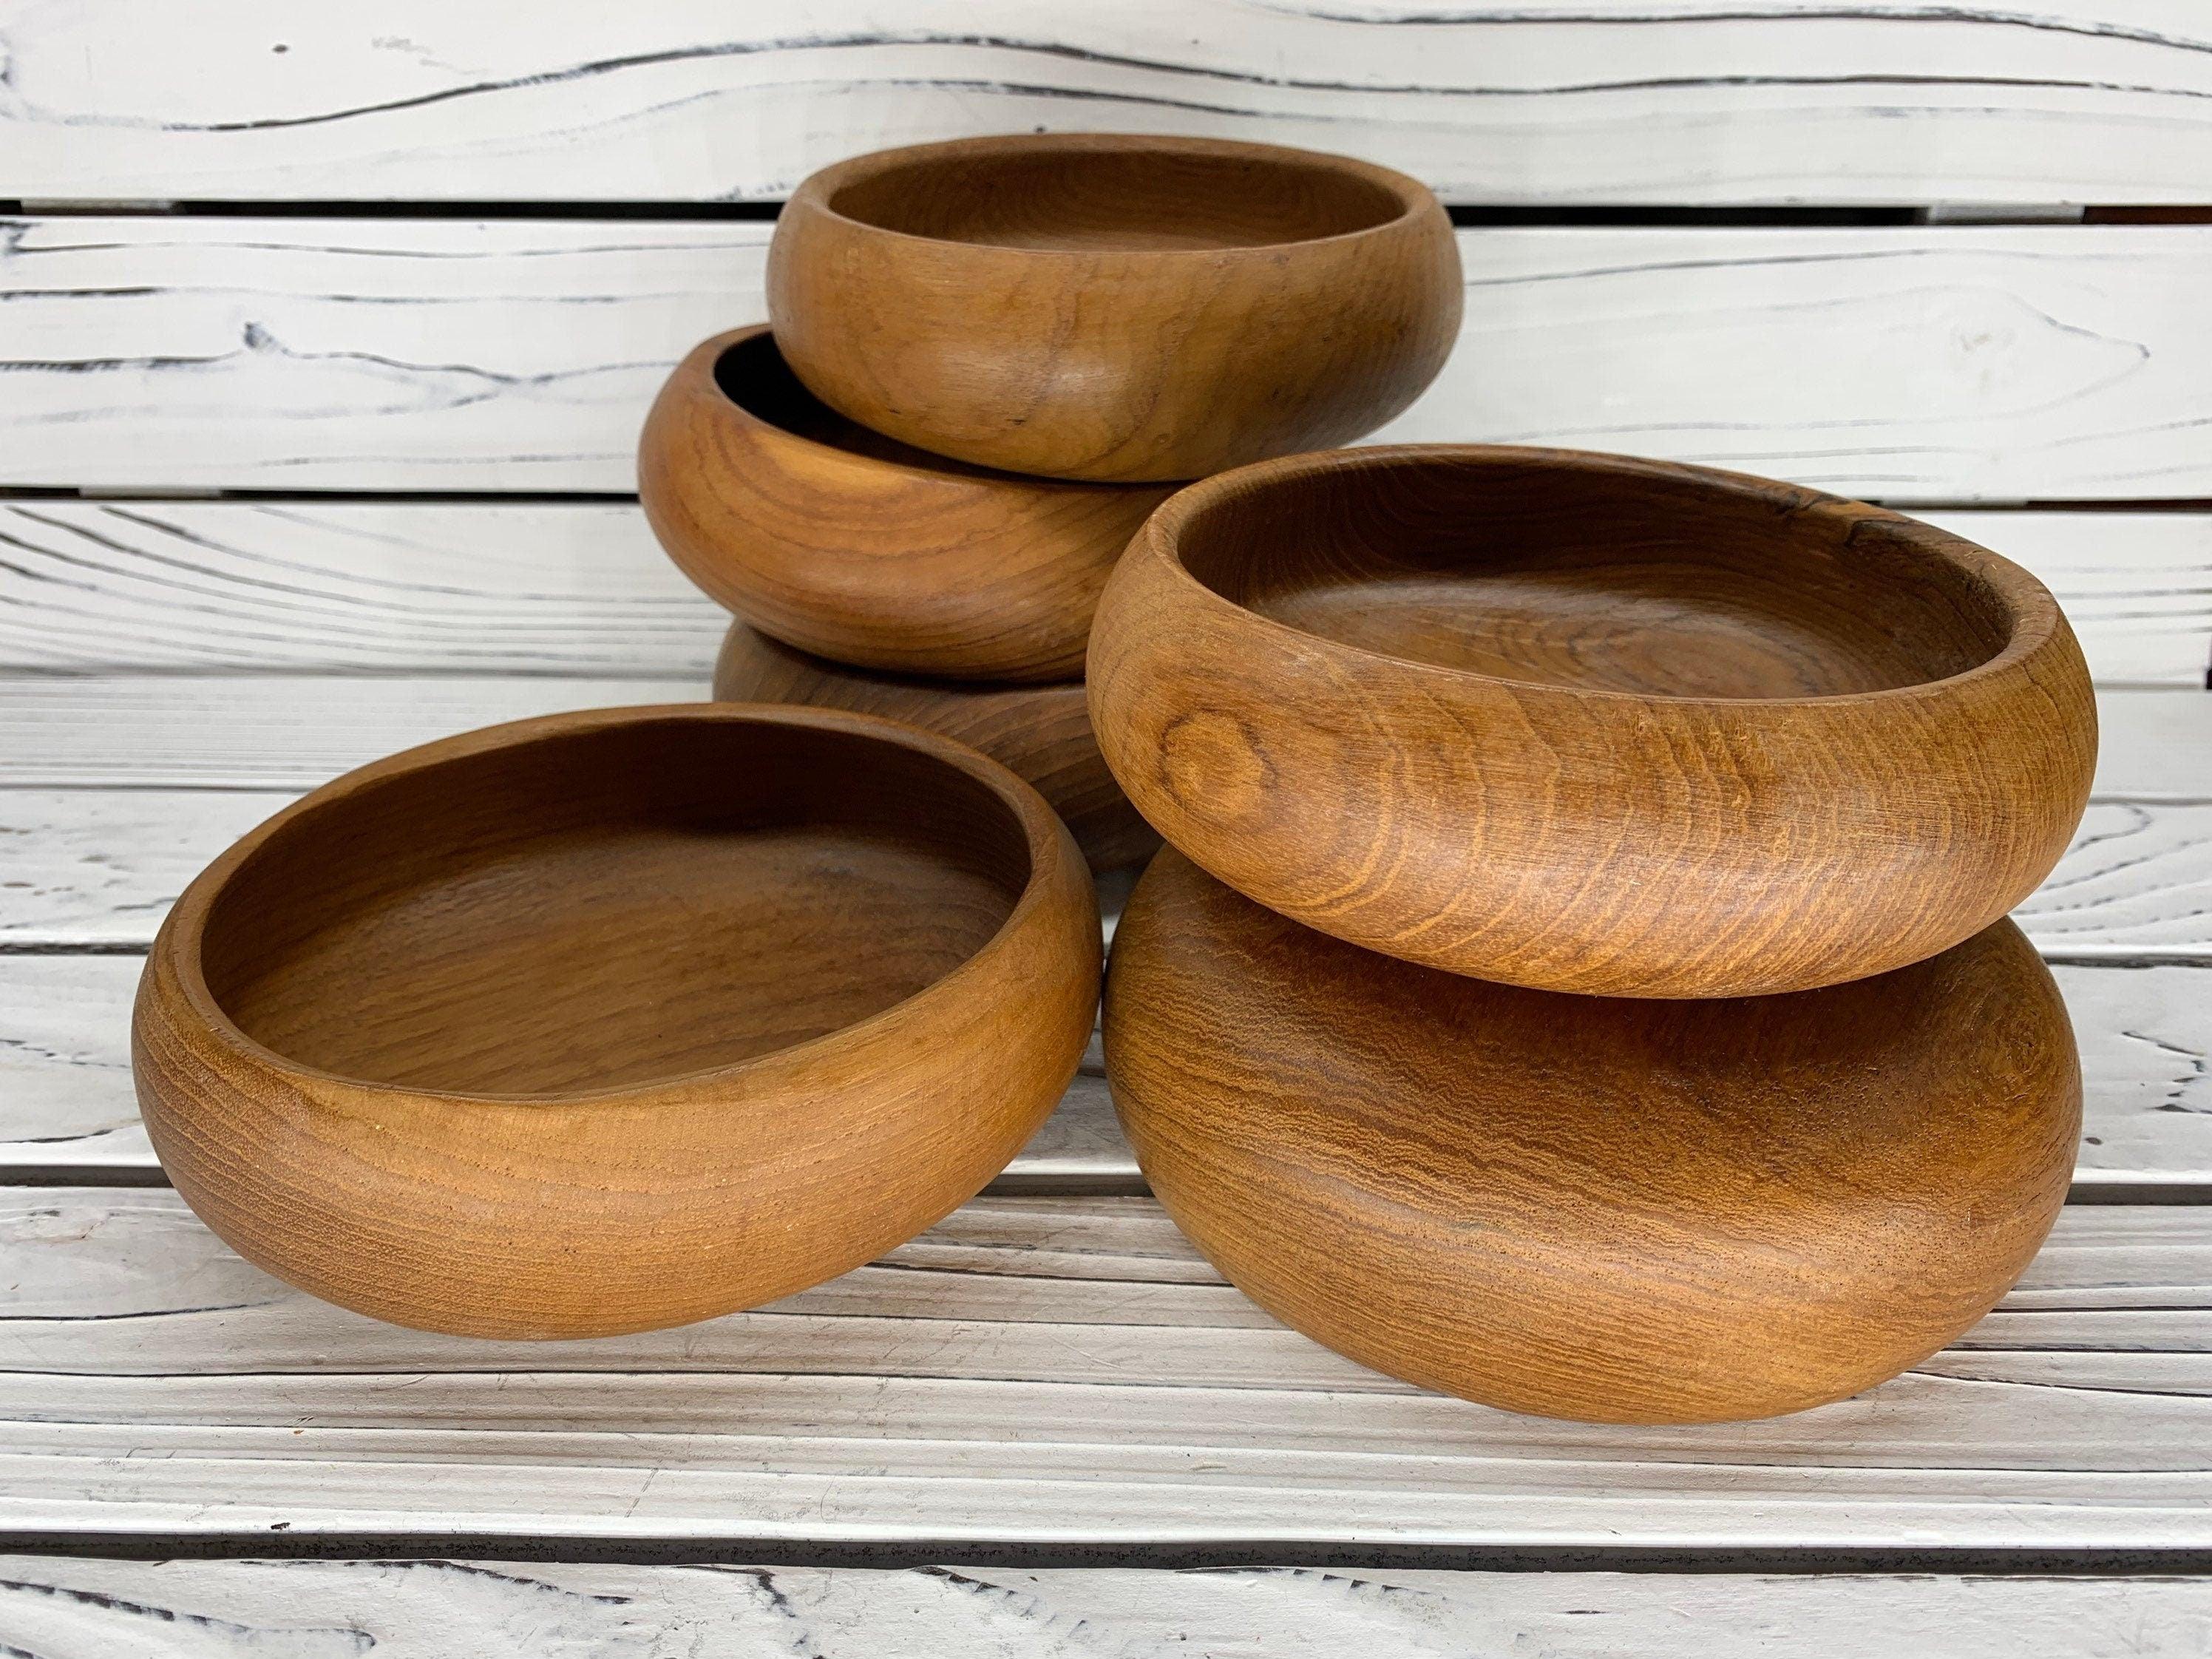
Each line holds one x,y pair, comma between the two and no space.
852,546
1090,306
616,1020
1588,723
1040,733
1614,1209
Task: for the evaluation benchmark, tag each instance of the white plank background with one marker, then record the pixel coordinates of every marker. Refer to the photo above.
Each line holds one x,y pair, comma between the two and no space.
76,1609
582,588
1548,100
1948,364
1046,1370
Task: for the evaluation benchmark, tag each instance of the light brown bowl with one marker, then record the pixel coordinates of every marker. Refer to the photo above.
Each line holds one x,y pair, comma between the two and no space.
1588,723
1612,1209
1040,733
853,546
616,1020
1086,306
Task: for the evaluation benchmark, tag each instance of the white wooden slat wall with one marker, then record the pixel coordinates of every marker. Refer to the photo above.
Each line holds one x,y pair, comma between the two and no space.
1545,101
1945,364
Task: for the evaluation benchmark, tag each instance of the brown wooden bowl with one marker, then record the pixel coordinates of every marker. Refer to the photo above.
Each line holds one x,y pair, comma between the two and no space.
1588,723
1040,733
852,546
1086,306
616,1020
1615,1209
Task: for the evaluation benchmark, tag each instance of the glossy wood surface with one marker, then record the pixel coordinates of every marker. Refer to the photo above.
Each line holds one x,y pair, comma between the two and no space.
1615,1209
1102,306
860,549
1040,733
616,1020
1588,723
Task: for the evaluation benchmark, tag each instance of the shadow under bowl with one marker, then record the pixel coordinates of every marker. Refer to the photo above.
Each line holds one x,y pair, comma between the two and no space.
1612,1209
1041,733
841,542
1112,307
616,1020
1588,723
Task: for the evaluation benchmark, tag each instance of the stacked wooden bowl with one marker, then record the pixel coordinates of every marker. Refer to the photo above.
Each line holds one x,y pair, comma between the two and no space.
989,361
1578,976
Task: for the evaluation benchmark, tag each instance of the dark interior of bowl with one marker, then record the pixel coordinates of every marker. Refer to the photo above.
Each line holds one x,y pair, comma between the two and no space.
1599,576
1144,198
611,906
753,375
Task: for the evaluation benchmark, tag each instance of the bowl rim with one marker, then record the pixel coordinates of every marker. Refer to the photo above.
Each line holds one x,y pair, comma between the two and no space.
2032,615
1414,198
182,933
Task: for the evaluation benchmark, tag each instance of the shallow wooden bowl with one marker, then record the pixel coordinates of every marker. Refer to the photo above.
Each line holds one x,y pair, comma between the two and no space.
1586,723
1040,733
616,1020
1114,308
1614,1209
854,546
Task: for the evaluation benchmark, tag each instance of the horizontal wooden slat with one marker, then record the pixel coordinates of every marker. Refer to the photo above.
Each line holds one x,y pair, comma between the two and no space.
1553,101
1046,1370
582,588
440,1609
1936,365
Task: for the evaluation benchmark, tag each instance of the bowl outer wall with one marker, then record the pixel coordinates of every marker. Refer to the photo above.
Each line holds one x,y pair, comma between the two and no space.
653,1206
1115,365
1603,842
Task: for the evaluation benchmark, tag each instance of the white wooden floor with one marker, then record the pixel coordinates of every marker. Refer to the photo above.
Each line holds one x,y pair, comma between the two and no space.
325,336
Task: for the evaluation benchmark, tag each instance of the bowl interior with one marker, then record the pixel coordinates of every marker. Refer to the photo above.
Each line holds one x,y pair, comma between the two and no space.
610,906
752,374
1138,197
1575,573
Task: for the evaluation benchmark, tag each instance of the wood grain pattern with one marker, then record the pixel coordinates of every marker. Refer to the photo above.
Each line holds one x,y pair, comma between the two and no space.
1942,364
1112,308
554,1029
1543,102
1612,1210
1042,733
1648,731
157,1383
582,588
446,1609
857,547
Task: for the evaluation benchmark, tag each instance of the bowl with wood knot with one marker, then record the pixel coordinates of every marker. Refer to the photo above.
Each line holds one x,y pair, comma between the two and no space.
1590,723
616,1020
1115,307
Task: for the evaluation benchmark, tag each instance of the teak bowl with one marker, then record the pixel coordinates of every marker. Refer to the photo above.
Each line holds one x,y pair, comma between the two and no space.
1588,723
1614,1209
616,1020
1040,733
853,546
1100,306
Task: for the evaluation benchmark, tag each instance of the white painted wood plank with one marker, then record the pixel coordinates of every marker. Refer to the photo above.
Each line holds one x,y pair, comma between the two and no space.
445,1609
1950,364
582,588
1081,1376
1553,101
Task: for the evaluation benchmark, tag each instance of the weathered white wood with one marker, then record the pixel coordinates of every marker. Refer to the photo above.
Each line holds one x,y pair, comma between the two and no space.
440,1609
1045,1369
66,1102
1553,101
1946,364
582,588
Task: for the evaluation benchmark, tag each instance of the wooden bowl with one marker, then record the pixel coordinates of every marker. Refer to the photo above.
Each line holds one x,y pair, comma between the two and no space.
1586,723
1040,733
852,546
1114,308
616,1020
1614,1209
